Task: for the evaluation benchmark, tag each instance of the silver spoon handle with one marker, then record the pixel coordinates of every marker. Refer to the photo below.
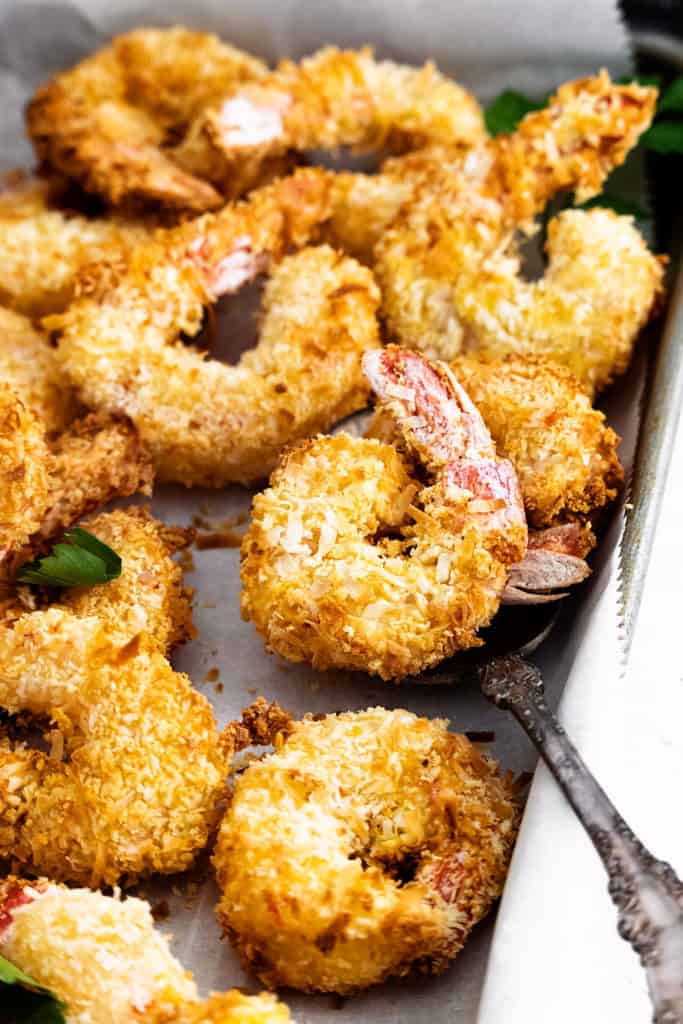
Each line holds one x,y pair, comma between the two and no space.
647,892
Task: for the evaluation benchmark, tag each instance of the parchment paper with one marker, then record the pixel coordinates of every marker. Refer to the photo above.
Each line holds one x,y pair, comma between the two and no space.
488,46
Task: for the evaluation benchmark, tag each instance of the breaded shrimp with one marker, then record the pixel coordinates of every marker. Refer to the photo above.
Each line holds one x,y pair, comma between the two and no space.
542,421
333,98
29,364
24,468
366,846
45,245
149,595
434,262
353,561
137,791
97,459
597,293
103,959
111,122
205,422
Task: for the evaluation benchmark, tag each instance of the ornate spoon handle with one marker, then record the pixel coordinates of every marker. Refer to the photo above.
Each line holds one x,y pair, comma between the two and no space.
647,893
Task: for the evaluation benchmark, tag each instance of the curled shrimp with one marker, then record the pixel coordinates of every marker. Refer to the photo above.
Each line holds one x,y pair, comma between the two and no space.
55,468
208,423
113,121
449,270
46,244
62,938
135,768
353,561
366,846
333,98
563,451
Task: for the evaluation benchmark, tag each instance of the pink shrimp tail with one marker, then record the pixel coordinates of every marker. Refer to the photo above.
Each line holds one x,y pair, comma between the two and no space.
440,414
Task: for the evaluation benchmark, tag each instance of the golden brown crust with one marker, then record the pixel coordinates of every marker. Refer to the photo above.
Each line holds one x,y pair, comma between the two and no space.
99,458
46,244
149,595
62,938
24,471
541,419
138,791
330,99
366,846
106,122
29,363
450,277
205,422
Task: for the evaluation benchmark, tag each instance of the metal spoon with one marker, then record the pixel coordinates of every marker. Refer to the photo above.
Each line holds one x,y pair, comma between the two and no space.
646,891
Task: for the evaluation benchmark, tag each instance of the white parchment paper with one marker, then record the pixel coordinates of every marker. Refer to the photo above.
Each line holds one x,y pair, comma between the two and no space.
488,46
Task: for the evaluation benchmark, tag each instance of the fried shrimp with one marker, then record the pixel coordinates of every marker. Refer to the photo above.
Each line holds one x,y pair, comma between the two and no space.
541,419
353,561
449,268
97,459
334,98
113,121
205,422
135,768
29,364
63,938
366,846
45,245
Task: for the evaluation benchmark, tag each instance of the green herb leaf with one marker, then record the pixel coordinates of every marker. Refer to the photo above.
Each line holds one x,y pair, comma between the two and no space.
79,560
664,137
504,114
672,98
655,80
25,1001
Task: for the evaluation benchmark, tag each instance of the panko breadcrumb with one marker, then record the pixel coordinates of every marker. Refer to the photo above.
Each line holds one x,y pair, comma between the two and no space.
46,245
110,122
363,556
366,846
449,268
205,422
135,770
24,471
335,98
541,419
29,363
103,958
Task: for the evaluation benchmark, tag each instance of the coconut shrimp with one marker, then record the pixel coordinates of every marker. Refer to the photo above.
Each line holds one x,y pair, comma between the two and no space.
539,417
205,422
46,245
55,468
135,769
450,272
366,846
62,938
112,122
333,98
353,561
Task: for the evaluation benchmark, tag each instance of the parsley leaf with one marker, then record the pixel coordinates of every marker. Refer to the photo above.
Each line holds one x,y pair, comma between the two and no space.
664,137
25,1001
672,98
80,559
504,114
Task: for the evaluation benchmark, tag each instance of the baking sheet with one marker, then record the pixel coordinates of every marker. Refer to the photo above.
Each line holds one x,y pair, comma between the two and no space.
488,46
